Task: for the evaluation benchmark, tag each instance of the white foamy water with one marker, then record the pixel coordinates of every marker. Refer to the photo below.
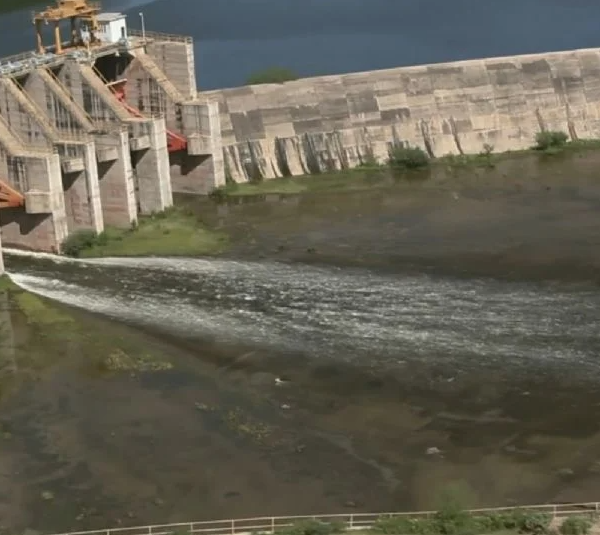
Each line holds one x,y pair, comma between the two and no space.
331,313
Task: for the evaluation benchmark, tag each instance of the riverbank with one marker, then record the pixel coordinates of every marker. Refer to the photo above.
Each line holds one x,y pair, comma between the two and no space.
526,215
174,232
373,174
401,382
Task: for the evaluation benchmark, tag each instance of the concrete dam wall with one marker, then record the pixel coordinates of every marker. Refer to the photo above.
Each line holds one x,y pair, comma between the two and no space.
336,122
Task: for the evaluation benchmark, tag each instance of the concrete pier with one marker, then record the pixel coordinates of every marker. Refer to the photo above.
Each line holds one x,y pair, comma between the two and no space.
84,156
42,223
100,130
108,128
161,80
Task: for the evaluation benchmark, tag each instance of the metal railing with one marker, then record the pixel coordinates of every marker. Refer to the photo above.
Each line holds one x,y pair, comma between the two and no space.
68,95
158,36
49,128
353,521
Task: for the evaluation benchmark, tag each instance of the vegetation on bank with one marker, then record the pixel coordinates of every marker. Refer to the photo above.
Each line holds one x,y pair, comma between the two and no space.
451,521
46,326
403,162
454,522
179,232
272,75
174,232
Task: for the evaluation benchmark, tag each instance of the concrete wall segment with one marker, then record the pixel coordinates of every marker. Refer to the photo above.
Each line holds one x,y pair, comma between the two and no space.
457,106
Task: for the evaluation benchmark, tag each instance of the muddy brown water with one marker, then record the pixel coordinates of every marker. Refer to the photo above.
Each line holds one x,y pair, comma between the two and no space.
428,332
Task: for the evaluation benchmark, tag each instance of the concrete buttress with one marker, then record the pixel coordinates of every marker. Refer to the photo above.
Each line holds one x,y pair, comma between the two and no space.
153,192
117,185
42,223
150,162
198,168
80,171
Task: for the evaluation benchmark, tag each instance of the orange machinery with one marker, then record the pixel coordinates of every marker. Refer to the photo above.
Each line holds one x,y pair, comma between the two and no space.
175,141
9,197
73,10
87,11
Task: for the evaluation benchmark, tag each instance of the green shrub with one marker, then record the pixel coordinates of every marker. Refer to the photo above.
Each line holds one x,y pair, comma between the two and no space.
219,194
547,140
273,75
536,523
408,158
453,521
81,240
314,527
576,525
402,525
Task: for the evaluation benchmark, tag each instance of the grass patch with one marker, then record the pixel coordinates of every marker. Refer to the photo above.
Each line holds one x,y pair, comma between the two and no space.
272,75
576,525
120,361
447,521
174,232
550,140
403,163
359,178
402,158
458,522
39,312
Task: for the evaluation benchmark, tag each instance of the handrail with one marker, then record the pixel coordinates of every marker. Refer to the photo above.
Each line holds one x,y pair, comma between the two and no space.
51,131
68,94
158,36
269,524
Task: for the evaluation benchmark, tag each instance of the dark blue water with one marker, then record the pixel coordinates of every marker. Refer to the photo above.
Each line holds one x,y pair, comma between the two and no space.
235,38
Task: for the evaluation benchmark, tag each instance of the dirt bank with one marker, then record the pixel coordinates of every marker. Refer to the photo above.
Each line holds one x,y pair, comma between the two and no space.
533,217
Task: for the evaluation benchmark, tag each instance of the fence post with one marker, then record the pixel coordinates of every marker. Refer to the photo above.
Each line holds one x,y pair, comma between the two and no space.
351,523
272,524
554,511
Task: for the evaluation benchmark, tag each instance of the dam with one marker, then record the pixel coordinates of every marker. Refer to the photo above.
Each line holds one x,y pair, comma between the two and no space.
105,126
99,129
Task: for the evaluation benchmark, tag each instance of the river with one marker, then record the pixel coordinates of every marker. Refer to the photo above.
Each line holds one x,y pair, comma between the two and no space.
423,333
315,37
354,351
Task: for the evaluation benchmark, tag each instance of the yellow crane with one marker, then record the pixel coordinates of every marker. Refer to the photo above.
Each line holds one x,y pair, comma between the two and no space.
73,10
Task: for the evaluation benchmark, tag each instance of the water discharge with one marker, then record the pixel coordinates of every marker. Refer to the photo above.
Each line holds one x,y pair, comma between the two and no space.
358,316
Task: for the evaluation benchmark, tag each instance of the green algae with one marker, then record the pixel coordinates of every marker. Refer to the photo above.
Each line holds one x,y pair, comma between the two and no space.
245,426
120,361
39,312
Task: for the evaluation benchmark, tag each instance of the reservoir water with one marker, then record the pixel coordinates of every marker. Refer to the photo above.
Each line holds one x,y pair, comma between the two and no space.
236,38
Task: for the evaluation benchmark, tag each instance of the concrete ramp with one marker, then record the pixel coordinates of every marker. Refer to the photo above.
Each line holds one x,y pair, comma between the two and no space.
55,86
149,90
159,77
11,144
23,101
104,93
